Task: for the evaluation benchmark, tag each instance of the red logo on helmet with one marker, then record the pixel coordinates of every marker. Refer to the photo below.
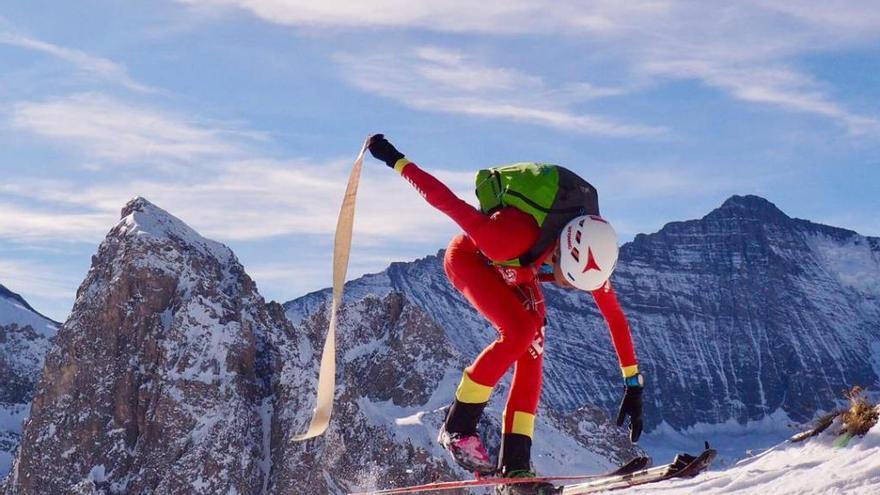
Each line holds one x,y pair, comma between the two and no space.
591,262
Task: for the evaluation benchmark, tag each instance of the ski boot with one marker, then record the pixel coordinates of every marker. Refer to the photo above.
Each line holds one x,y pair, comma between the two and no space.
468,452
537,488
459,436
515,462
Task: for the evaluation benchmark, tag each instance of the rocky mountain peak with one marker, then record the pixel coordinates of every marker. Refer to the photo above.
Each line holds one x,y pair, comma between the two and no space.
143,220
137,204
748,207
165,358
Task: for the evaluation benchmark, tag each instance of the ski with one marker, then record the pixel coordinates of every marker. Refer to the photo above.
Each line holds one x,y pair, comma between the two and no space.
632,466
684,466
821,425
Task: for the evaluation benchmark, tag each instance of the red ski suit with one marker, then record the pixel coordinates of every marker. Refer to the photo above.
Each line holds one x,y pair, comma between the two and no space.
510,298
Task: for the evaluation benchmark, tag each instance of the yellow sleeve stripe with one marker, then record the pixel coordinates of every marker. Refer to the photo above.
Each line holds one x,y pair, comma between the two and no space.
471,392
400,164
629,371
523,424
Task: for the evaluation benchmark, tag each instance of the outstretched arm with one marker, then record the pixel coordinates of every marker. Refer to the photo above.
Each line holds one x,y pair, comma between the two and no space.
471,220
501,236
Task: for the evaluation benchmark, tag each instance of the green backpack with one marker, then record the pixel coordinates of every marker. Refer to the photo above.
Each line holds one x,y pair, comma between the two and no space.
551,194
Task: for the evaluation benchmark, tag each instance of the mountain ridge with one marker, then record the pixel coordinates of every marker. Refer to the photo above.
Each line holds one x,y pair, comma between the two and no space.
745,268
25,337
6,293
173,375
173,350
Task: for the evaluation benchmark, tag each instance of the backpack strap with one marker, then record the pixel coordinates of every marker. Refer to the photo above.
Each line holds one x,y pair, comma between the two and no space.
575,197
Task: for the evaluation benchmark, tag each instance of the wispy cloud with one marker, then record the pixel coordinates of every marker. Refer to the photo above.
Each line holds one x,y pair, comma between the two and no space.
654,181
849,19
27,277
430,78
24,224
101,67
108,128
773,85
261,199
215,179
488,16
244,200
748,50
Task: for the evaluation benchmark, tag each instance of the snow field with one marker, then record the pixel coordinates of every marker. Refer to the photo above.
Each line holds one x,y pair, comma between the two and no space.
814,467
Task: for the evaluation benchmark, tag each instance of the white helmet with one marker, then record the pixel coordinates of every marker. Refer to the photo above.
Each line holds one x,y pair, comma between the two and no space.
588,252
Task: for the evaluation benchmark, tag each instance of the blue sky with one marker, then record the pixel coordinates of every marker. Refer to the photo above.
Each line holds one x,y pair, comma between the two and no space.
242,118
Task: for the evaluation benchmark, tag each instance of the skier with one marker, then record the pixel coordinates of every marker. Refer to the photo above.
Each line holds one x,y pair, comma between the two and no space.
508,246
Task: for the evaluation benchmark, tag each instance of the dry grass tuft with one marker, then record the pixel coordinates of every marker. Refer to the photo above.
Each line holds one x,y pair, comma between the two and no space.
861,415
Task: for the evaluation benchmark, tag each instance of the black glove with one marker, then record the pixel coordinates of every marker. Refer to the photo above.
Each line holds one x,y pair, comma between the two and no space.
381,149
631,406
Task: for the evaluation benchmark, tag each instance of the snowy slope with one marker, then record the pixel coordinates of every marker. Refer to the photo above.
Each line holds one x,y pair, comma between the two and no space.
15,310
25,336
816,467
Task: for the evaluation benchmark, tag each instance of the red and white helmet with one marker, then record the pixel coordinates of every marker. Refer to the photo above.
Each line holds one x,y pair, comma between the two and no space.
588,252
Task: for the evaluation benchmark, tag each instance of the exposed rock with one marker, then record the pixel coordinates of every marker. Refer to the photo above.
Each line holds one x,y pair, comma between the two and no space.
152,385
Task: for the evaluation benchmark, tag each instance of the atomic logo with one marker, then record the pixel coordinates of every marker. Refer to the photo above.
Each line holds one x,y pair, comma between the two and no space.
591,262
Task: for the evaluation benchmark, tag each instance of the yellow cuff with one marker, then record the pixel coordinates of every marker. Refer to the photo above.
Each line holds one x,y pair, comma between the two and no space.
471,392
400,164
629,371
523,424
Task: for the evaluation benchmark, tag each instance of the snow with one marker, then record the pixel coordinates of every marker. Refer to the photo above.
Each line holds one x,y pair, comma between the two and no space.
13,312
13,415
408,420
5,463
266,413
732,440
11,418
413,420
147,219
556,453
814,467
853,261
21,356
98,473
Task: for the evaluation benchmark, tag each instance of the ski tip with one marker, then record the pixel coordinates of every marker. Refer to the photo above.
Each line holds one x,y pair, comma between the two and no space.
695,465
